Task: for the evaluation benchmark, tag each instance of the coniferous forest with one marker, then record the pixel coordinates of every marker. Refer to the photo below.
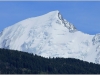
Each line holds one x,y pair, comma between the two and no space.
17,62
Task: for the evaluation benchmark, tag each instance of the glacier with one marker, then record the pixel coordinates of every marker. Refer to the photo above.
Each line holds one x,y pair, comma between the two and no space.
50,35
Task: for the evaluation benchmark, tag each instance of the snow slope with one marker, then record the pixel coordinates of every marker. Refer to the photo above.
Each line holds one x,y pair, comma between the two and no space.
50,35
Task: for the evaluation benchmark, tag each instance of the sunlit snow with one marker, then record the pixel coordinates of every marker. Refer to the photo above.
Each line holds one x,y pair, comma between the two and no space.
50,35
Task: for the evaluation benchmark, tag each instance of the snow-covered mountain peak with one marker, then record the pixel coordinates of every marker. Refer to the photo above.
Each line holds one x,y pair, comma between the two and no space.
52,14
50,35
56,14
50,17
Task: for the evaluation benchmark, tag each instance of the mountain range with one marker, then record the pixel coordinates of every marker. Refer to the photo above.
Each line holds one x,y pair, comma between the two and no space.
50,35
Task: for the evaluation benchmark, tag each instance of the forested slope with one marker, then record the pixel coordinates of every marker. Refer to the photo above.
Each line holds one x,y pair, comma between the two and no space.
17,62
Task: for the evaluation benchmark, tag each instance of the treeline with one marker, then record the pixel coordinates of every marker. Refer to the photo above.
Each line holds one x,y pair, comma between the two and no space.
17,62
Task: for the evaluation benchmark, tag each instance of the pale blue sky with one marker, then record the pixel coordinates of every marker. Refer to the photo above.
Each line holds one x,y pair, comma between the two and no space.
85,15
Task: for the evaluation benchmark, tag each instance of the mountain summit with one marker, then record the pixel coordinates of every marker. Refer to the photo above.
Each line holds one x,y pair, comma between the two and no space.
51,35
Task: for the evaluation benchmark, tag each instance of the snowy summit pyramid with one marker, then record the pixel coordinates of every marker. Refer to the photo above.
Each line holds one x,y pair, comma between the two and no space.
50,35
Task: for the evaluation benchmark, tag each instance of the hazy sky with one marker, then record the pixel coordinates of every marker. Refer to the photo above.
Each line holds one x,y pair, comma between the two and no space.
85,15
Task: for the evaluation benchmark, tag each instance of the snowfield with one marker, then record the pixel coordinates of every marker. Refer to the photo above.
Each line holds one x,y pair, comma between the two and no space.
50,35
